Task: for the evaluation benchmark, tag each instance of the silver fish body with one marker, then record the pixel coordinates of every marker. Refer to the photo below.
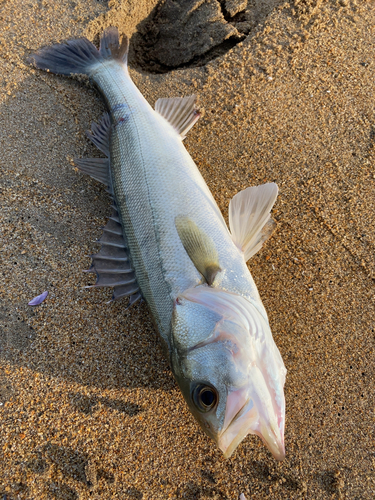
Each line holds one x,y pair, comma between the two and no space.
215,330
155,180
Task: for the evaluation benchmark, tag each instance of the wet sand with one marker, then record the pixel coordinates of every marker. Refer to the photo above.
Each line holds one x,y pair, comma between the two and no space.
88,406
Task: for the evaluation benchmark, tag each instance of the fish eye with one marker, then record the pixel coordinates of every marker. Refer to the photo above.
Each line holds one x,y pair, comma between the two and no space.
204,397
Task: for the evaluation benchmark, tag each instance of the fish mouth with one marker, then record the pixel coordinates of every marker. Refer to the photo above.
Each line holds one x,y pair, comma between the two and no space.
271,437
236,430
248,421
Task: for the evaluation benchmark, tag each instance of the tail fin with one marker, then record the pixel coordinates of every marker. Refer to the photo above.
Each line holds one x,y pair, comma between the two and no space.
80,55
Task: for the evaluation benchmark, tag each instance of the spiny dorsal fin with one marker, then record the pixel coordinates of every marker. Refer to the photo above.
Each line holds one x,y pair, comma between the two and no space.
249,217
112,264
199,247
180,112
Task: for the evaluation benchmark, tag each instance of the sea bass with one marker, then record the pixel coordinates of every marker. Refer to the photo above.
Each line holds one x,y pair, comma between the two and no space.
167,242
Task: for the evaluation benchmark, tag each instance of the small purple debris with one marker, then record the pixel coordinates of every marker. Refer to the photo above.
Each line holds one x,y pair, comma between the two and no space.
38,300
242,497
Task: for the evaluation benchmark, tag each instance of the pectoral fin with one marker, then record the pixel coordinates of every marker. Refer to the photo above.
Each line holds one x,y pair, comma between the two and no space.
199,247
249,217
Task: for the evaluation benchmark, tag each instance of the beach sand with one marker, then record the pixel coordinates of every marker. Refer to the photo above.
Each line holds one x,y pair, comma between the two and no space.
88,406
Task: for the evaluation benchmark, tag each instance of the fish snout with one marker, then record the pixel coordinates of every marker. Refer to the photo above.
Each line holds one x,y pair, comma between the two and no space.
273,438
271,416
254,410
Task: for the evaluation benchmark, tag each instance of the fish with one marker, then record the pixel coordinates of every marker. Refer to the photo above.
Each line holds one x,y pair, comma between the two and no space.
167,243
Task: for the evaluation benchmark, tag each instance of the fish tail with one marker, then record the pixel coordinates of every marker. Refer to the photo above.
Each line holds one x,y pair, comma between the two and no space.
80,55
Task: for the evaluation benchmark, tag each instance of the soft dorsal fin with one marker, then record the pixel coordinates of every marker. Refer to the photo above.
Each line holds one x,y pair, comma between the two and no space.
199,247
98,168
100,133
180,112
249,217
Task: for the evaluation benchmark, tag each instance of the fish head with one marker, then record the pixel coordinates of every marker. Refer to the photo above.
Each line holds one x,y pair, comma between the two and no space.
228,368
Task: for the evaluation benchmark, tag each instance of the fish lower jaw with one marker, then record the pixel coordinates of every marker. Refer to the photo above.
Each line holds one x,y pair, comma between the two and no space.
271,435
275,444
228,446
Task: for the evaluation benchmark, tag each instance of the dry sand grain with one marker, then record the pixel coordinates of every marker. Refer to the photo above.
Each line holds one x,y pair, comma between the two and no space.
89,408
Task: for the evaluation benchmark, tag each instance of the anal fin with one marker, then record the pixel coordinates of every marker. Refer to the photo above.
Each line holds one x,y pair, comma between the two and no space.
180,112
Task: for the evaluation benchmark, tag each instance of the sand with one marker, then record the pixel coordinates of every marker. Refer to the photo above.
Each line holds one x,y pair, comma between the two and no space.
88,406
